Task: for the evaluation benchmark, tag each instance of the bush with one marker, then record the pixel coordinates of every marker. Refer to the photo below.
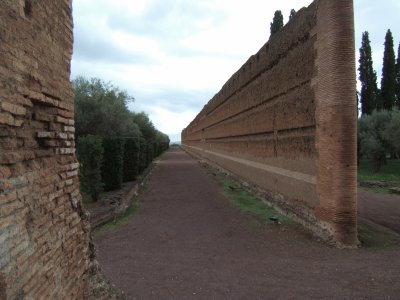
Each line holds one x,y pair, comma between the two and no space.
131,159
112,171
379,135
90,155
143,155
150,153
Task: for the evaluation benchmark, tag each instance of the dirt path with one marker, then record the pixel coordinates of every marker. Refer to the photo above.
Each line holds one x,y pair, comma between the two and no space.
380,209
188,242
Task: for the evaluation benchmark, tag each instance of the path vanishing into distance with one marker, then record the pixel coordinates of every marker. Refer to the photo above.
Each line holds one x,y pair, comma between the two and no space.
188,242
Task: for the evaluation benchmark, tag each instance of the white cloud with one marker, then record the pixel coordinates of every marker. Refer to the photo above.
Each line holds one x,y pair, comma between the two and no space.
172,56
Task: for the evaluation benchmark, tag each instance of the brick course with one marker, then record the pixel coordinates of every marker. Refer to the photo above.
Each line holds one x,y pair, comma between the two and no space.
286,121
45,250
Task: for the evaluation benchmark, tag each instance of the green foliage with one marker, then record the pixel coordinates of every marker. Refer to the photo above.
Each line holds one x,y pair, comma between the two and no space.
369,90
389,172
143,154
131,159
149,152
90,155
292,14
161,143
277,22
378,135
101,109
388,84
145,125
112,171
398,78
249,204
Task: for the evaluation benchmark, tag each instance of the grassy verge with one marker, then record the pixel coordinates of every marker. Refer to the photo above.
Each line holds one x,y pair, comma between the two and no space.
249,204
123,219
389,173
371,238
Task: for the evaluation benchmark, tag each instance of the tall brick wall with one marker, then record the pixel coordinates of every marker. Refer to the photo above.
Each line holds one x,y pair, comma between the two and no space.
44,234
286,121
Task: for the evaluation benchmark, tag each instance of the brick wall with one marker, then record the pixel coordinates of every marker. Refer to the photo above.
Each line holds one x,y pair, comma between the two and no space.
44,233
286,121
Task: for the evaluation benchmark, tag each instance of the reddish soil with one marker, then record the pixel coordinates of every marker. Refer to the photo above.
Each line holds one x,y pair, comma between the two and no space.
188,242
381,210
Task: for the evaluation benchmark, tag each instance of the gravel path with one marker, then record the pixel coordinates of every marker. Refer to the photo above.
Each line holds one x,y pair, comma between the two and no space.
188,242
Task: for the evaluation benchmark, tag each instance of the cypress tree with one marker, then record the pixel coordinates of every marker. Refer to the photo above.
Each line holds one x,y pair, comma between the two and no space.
398,78
292,13
388,83
277,22
369,89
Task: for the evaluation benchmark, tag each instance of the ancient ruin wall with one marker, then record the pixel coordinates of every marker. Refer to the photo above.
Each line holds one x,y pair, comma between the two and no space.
286,121
44,241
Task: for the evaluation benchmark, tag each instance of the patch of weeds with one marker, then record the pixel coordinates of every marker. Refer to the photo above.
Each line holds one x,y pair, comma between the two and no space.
249,204
371,238
125,218
389,172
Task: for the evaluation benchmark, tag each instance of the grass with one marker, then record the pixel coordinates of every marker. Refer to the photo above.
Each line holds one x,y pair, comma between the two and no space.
125,218
389,173
250,204
370,238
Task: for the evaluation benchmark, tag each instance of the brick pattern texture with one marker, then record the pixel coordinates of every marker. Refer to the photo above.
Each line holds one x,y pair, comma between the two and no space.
286,121
44,233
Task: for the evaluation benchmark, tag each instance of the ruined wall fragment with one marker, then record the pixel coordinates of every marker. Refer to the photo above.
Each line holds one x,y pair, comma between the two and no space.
286,121
44,237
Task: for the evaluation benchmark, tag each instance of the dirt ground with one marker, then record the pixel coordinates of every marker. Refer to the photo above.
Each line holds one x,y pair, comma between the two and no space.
188,242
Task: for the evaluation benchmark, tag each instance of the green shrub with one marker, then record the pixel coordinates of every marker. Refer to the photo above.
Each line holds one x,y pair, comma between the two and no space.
143,155
112,171
131,159
90,155
150,152
378,136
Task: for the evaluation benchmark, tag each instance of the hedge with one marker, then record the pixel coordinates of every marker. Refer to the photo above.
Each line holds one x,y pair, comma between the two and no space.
90,155
131,159
112,171
143,155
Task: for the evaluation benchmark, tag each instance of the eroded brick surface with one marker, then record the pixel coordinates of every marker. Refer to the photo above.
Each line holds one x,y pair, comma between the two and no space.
286,121
44,233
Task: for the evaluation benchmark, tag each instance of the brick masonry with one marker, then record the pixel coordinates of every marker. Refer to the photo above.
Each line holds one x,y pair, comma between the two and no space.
286,121
45,248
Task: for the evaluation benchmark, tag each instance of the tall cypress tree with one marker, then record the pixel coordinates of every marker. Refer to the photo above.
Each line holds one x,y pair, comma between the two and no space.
277,22
388,83
398,78
369,89
292,13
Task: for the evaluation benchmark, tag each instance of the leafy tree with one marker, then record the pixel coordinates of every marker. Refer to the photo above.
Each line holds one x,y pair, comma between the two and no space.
388,83
277,22
90,155
145,125
379,135
369,90
101,109
398,78
370,132
391,133
292,13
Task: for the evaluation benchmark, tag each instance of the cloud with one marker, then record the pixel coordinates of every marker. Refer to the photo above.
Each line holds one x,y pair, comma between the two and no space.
174,55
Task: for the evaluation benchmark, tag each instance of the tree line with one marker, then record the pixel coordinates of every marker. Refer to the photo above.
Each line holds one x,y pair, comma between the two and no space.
379,125
114,144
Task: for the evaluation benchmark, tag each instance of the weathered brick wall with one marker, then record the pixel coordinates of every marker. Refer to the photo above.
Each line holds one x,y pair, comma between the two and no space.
44,234
286,121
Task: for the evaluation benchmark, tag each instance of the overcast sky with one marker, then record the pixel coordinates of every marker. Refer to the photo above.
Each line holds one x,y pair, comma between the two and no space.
174,55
